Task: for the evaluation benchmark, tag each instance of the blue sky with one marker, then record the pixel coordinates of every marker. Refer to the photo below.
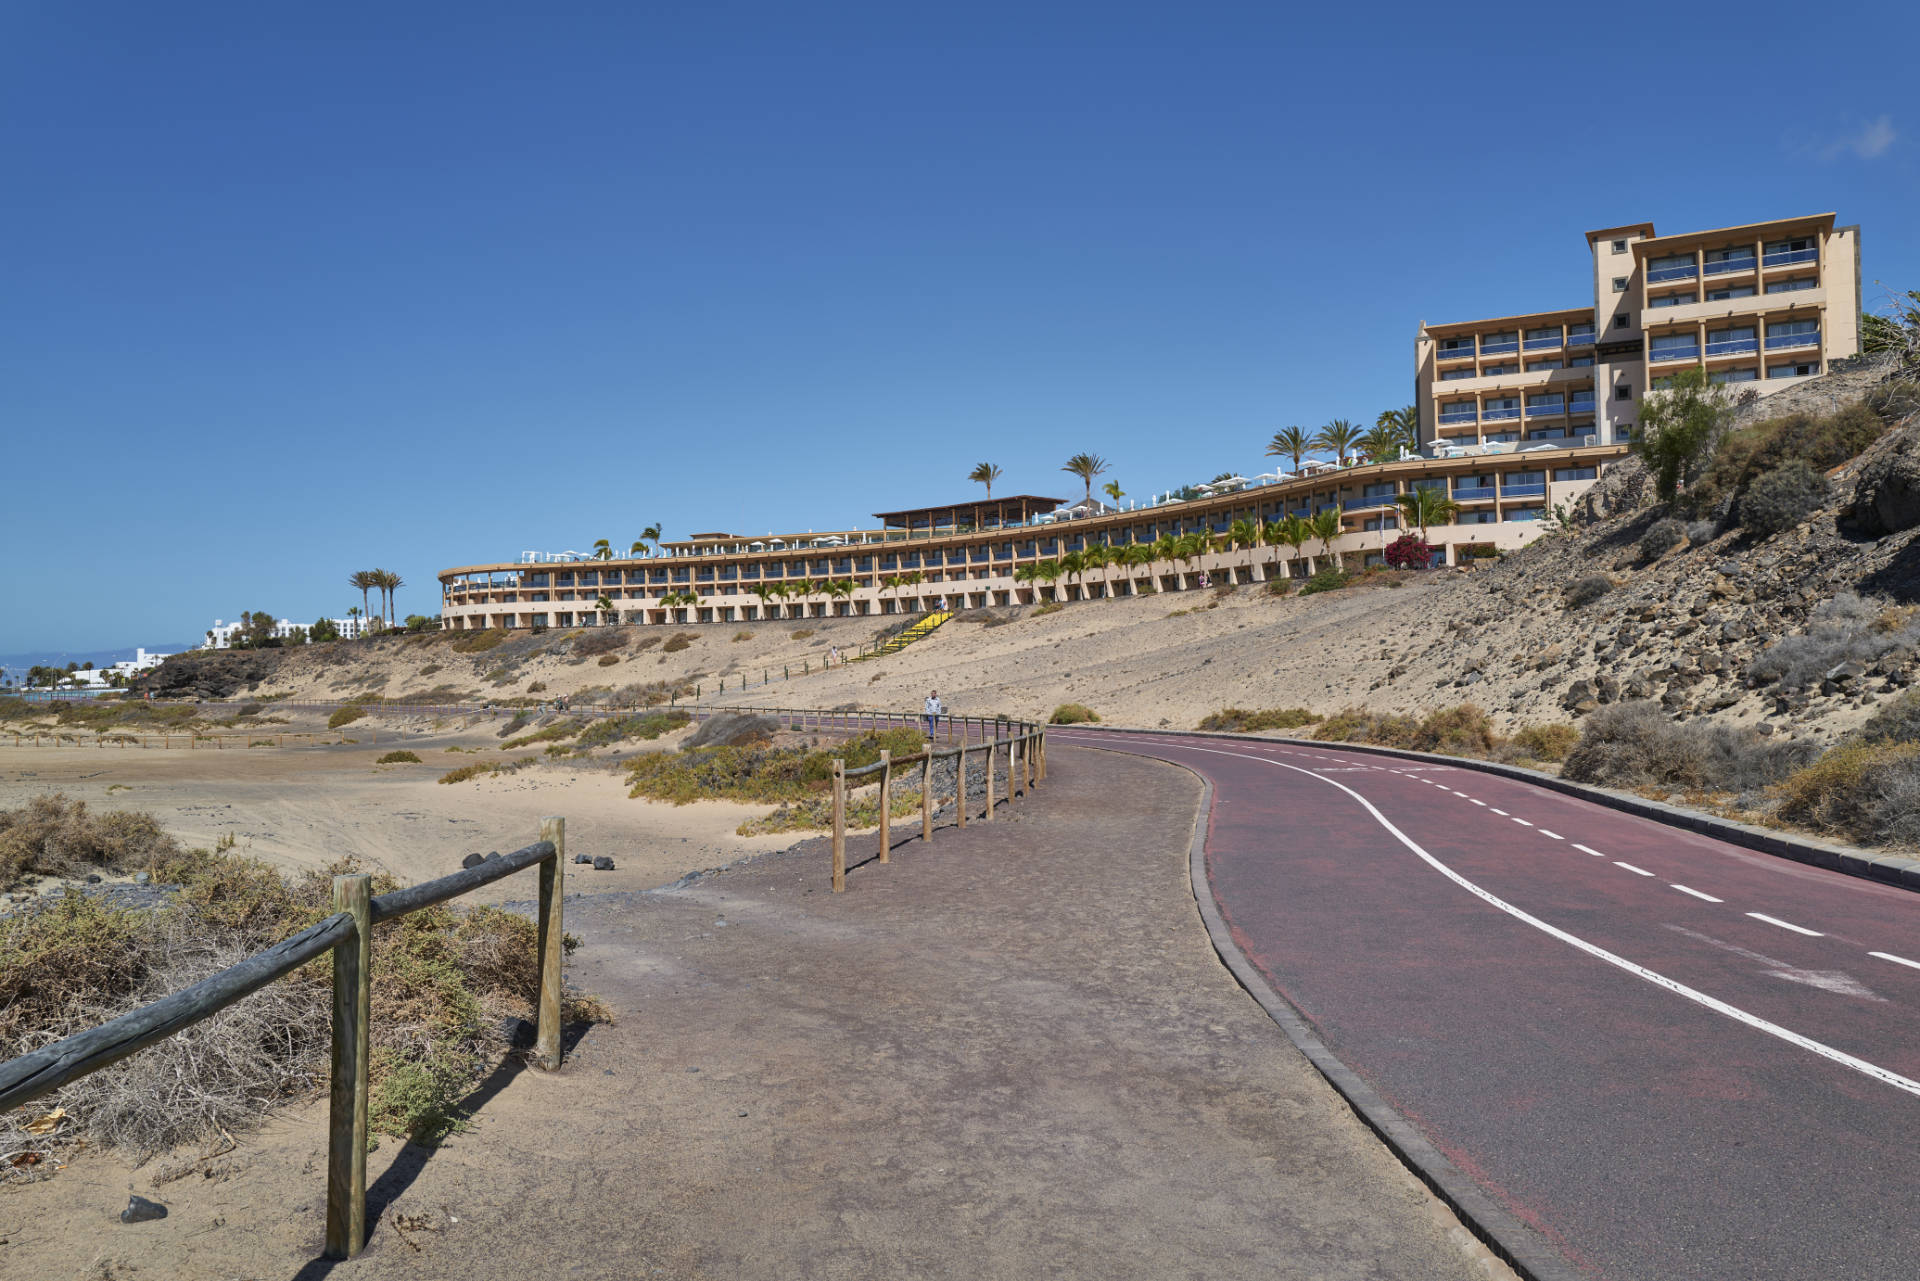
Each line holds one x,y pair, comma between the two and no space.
295,291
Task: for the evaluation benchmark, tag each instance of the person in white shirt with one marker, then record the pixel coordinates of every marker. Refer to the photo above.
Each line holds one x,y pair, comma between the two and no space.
934,711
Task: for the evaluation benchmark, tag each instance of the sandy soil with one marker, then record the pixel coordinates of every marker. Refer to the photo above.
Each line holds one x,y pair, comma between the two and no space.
308,807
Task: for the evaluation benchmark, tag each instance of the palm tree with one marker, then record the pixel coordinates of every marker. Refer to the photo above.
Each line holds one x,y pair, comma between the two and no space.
1293,443
1325,525
1338,438
1074,565
604,606
1403,423
392,583
1191,547
985,474
1381,444
1294,531
353,611
365,581
1113,491
1086,467
602,549
1425,507
650,534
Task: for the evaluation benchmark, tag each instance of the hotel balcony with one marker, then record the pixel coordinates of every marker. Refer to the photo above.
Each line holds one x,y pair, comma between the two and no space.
1736,347
1792,342
1790,257
1730,266
1499,348
1500,415
1459,417
1667,355
1680,271
1454,353
1473,493
1580,340
1544,344
1533,490
1376,500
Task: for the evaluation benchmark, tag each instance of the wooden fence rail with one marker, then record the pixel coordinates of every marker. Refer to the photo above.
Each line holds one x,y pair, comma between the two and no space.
348,935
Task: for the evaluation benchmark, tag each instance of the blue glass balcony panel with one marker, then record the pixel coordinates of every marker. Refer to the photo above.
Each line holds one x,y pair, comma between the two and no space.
1687,272
1732,347
1674,353
1543,344
1727,266
1533,490
1782,342
1498,348
1788,256
1497,415
1580,339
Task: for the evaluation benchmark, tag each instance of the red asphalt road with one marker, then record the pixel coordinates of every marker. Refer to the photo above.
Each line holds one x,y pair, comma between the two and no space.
1743,1104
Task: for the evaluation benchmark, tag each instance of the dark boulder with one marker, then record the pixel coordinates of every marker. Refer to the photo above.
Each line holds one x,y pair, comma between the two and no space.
1886,499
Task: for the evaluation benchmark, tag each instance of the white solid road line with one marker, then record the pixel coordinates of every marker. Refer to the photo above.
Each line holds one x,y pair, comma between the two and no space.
1631,868
1786,925
1697,894
1588,849
1897,960
1905,1084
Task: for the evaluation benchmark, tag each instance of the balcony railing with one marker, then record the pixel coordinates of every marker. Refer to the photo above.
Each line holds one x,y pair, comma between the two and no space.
1787,342
1663,354
1456,353
1499,415
1732,347
1578,406
1498,348
1530,490
1786,257
1685,272
1472,493
1580,340
1727,266
1376,500
1458,416
1543,344
1549,409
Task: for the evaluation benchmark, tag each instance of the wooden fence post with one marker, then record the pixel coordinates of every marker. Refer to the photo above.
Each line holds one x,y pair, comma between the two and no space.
886,805
1013,769
347,1117
553,874
926,797
1043,756
960,787
988,816
839,826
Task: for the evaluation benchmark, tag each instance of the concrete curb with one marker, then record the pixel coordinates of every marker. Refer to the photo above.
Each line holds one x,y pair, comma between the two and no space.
1519,1246
1888,869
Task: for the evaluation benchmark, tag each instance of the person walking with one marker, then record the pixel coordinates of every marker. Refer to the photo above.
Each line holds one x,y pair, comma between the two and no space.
934,711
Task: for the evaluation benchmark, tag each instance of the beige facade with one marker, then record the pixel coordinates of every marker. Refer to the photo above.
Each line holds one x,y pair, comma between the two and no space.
1505,499
1767,304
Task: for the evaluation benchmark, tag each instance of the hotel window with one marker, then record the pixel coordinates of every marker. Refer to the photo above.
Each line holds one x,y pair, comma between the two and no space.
1673,347
1580,362
1544,336
1455,347
1493,370
1746,375
1806,370
1382,522
1797,249
1534,366
1793,333
1580,332
1498,407
1622,320
1475,518
1455,375
1501,437
1668,300
1623,393
1732,258
1574,473
1734,291
1791,286
1523,513
1547,433
1619,246
1619,284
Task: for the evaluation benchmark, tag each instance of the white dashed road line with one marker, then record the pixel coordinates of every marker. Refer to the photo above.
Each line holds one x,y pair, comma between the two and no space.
1521,821
1897,960
1697,894
1786,925
1555,835
1502,813
1640,871
1476,802
1588,849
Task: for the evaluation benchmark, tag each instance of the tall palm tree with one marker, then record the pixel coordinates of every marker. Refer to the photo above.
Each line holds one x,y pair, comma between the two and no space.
1164,547
1293,442
1338,438
603,606
364,580
602,549
1113,491
1325,525
1074,565
985,474
1425,507
650,534
1404,423
1294,531
1086,467
1381,444
391,583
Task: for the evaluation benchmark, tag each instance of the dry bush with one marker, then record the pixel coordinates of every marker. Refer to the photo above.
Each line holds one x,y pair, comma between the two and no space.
1867,792
346,716
1462,730
1636,744
678,641
55,836
608,660
1238,720
601,640
480,642
1896,722
742,636
1661,537
1549,742
1072,714
466,772
402,757
1848,628
1586,590
801,633
1782,498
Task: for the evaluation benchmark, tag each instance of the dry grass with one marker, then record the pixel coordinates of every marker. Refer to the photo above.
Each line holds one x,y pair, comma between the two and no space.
55,836
1073,714
1236,720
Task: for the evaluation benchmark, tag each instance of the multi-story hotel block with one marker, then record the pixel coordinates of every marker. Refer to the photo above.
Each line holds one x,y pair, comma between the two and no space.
1518,415
1768,304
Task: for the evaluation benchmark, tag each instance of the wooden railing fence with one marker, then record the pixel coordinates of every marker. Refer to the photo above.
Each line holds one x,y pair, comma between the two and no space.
348,934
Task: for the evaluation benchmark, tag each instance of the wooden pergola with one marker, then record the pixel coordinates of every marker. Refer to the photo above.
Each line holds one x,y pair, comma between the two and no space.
987,513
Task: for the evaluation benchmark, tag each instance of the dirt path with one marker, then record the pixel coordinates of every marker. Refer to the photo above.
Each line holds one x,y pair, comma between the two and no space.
1010,1055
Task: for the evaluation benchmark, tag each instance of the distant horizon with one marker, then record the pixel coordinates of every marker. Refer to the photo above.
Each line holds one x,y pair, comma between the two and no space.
316,291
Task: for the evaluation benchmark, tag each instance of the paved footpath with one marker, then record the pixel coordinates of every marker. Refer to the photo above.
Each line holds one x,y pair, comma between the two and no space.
1672,1057
1010,1054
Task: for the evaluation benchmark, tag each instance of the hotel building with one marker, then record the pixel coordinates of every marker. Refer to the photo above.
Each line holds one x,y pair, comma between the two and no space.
1767,304
1518,415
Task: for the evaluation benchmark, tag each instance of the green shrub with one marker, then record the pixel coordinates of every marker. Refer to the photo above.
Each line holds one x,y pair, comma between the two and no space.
1585,590
742,636
398,758
1047,607
1820,442
1328,579
614,729
519,722
1782,498
1072,714
1549,742
677,642
1279,586
1239,721
757,773
608,660
1463,730
466,772
550,734
346,716
801,633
